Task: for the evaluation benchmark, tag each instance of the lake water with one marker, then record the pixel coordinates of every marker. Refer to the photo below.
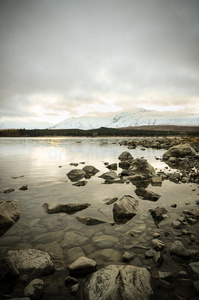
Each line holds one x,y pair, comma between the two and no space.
42,164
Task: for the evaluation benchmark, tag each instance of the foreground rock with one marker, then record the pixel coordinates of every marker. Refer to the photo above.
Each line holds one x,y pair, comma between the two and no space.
158,213
76,174
9,214
125,208
68,208
125,156
34,289
82,265
141,166
30,261
181,150
179,249
146,194
117,282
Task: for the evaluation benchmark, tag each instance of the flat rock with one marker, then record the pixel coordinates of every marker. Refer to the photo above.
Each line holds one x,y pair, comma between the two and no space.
69,208
82,265
118,282
31,261
104,241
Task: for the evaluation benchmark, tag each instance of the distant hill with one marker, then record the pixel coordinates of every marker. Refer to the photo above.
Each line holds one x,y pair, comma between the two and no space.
141,117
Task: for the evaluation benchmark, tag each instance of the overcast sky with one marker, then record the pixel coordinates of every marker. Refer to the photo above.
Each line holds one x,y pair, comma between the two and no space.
62,58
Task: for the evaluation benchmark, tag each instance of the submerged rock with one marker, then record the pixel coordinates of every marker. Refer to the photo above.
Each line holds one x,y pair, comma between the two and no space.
69,208
31,261
119,282
82,265
89,221
146,194
125,208
76,174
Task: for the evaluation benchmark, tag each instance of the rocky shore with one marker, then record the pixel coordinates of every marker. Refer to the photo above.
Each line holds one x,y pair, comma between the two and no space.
149,261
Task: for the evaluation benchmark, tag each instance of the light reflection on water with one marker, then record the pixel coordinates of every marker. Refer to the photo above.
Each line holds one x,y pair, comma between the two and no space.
44,163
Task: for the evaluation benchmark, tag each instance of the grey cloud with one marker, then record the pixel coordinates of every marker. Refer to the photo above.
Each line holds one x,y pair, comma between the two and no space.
62,47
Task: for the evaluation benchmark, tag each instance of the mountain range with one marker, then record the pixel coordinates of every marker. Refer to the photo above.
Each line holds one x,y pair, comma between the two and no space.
141,117
127,119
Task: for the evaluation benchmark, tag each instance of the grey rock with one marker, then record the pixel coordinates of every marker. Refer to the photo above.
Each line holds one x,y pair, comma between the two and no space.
149,253
112,166
179,249
81,183
109,175
126,207
34,262
158,259
125,156
146,194
70,280
156,181
34,289
9,190
23,187
69,208
118,283
177,224
90,170
9,213
82,265
76,174
158,213
181,150
141,166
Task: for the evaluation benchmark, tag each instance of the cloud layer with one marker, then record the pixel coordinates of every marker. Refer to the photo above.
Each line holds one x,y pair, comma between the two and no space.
66,58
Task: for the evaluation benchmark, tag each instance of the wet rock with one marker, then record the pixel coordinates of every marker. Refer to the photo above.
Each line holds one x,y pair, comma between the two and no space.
23,187
104,241
194,268
90,170
112,166
109,201
125,164
119,282
89,221
125,208
137,230
158,244
194,212
69,208
31,261
34,289
53,249
74,253
76,174
74,289
81,183
109,175
72,238
82,265
196,285
74,164
174,205
125,156
146,194
9,214
175,177
179,249
108,255
126,257
181,150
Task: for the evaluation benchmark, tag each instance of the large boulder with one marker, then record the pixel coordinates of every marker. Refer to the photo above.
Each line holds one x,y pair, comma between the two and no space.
31,261
69,208
76,174
141,166
9,214
109,175
125,208
118,282
181,150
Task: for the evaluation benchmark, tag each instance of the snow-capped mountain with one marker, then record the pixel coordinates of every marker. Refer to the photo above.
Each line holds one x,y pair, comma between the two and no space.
26,125
127,119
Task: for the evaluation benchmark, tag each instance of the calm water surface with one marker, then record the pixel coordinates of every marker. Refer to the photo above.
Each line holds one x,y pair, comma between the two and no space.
43,164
